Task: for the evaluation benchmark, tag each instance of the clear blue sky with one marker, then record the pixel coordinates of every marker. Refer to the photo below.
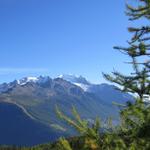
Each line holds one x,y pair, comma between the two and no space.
52,37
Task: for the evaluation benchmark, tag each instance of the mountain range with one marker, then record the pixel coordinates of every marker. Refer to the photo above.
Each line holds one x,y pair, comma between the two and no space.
28,107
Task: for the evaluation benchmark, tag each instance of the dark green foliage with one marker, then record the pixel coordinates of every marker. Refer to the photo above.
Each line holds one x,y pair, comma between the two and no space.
91,138
138,47
135,126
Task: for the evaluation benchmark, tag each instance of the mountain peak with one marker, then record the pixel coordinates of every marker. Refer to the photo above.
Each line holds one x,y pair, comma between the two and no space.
25,80
74,78
79,81
30,79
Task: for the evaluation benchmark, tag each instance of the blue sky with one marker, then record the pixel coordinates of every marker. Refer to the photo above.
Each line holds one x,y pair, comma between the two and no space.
52,37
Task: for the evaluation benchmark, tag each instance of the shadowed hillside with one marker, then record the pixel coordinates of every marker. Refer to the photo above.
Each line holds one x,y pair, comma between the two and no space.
21,129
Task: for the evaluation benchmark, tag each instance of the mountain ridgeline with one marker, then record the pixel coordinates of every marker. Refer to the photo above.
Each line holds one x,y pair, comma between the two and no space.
28,107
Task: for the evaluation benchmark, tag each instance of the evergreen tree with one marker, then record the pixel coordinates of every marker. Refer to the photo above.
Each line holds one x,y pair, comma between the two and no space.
135,116
138,82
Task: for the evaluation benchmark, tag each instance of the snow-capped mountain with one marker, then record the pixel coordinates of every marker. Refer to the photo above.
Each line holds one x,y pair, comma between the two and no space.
26,80
37,98
102,90
77,80
74,79
21,82
40,79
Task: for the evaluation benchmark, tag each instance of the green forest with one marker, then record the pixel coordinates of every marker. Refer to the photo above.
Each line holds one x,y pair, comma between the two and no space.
133,132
